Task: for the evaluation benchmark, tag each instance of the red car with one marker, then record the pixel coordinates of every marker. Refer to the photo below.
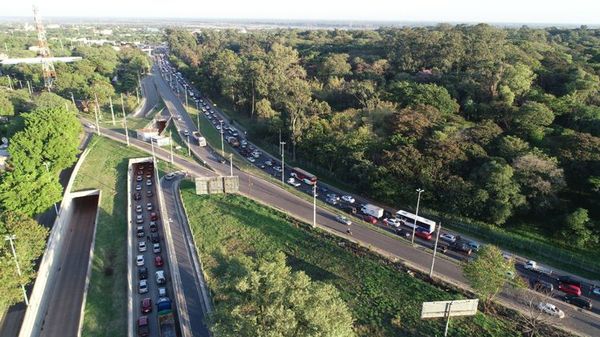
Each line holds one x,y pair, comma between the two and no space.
146,305
142,326
158,261
569,289
423,234
370,219
153,216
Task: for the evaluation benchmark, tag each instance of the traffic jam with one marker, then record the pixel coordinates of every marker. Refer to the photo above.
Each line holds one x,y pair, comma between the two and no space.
407,225
152,307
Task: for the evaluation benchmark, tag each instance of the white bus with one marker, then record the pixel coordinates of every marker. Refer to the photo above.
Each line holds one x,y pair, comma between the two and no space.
408,219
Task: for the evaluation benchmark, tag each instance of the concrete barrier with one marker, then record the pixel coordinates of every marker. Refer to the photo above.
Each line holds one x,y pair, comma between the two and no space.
47,272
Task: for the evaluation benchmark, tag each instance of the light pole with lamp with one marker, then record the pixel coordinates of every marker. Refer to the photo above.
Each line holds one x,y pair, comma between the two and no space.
315,204
419,190
231,164
10,239
282,161
222,146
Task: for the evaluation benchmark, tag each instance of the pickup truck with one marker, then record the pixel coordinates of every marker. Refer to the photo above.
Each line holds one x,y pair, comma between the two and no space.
533,266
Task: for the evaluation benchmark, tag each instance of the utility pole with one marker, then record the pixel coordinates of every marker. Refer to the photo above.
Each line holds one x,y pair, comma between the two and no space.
97,124
186,99
125,120
189,146
48,171
419,190
282,161
231,164
9,82
198,122
10,239
73,99
137,96
112,111
29,88
222,144
152,145
437,237
171,144
315,204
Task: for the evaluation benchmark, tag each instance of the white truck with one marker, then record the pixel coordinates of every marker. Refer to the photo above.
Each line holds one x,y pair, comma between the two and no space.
533,266
201,140
372,210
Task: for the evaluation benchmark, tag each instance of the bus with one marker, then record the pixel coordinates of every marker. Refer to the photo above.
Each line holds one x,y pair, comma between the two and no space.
408,219
300,174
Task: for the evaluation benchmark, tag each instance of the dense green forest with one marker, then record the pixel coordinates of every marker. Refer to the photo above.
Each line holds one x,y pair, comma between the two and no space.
499,125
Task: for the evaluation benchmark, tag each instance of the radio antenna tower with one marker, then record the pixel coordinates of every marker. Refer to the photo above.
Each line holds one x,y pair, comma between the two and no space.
43,51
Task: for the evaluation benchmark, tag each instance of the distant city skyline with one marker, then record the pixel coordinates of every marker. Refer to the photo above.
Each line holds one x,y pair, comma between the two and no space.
452,11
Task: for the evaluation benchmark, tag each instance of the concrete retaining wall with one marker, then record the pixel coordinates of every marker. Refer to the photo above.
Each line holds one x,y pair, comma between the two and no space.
46,277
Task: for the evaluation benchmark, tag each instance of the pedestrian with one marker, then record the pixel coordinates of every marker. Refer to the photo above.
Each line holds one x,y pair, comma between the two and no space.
348,231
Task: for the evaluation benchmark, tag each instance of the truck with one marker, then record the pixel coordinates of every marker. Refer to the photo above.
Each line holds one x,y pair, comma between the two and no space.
533,266
166,320
372,210
201,140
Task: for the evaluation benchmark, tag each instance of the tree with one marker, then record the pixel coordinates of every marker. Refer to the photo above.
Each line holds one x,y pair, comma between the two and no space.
6,106
509,147
532,117
263,297
49,100
488,272
413,94
578,222
540,179
334,65
29,241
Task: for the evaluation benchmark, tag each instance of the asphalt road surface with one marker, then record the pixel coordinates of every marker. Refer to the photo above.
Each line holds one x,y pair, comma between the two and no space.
62,317
147,174
188,264
150,96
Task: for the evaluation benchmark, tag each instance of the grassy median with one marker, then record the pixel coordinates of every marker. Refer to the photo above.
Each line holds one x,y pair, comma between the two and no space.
384,300
105,168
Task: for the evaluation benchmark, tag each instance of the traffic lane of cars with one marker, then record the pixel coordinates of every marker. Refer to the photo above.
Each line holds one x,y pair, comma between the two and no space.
152,233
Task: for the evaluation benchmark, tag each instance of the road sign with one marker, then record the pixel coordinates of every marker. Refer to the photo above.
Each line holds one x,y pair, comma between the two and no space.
449,308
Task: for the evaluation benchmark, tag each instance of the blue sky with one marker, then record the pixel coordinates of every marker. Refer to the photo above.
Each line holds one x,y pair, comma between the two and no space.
496,11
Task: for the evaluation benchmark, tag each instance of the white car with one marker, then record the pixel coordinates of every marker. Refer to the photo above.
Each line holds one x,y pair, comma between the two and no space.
162,292
551,309
348,198
596,291
143,287
160,277
148,182
293,182
138,208
156,248
343,219
140,260
142,246
138,187
393,222
251,159
448,237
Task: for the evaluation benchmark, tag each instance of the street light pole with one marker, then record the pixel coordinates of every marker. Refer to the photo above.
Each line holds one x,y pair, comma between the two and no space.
231,164
222,145
315,204
10,239
171,144
189,146
124,120
282,161
48,170
437,237
419,190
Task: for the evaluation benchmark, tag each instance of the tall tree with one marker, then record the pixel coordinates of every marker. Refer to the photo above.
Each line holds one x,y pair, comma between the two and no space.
6,106
265,298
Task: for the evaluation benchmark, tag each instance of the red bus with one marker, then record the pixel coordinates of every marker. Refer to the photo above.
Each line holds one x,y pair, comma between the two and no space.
307,178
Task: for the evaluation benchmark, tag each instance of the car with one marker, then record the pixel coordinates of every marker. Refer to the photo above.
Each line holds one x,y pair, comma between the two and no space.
219,127
139,218
370,219
349,209
251,159
461,247
160,277
268,162
146,305
569,280
343,219
348,199
474,245
138,208
395,222
579,301
143,286
142,273
139,178
137,196
186,133
403,232
256,154
139,260
569,289
170,176
148,182
596,290
277,168
331,201
153,226
542,286
551,309
332,196
142,246
158,261
448,237
140,231
149,206
138,187
142,327
423,234
153,216
149,194
293,182
156,248
154,237
148,175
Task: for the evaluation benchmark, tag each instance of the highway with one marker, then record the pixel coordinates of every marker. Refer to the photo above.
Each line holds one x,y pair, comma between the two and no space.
188,264
64,310
150,96
273,195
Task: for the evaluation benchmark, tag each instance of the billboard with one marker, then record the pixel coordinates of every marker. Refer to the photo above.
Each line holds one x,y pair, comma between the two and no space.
449,308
